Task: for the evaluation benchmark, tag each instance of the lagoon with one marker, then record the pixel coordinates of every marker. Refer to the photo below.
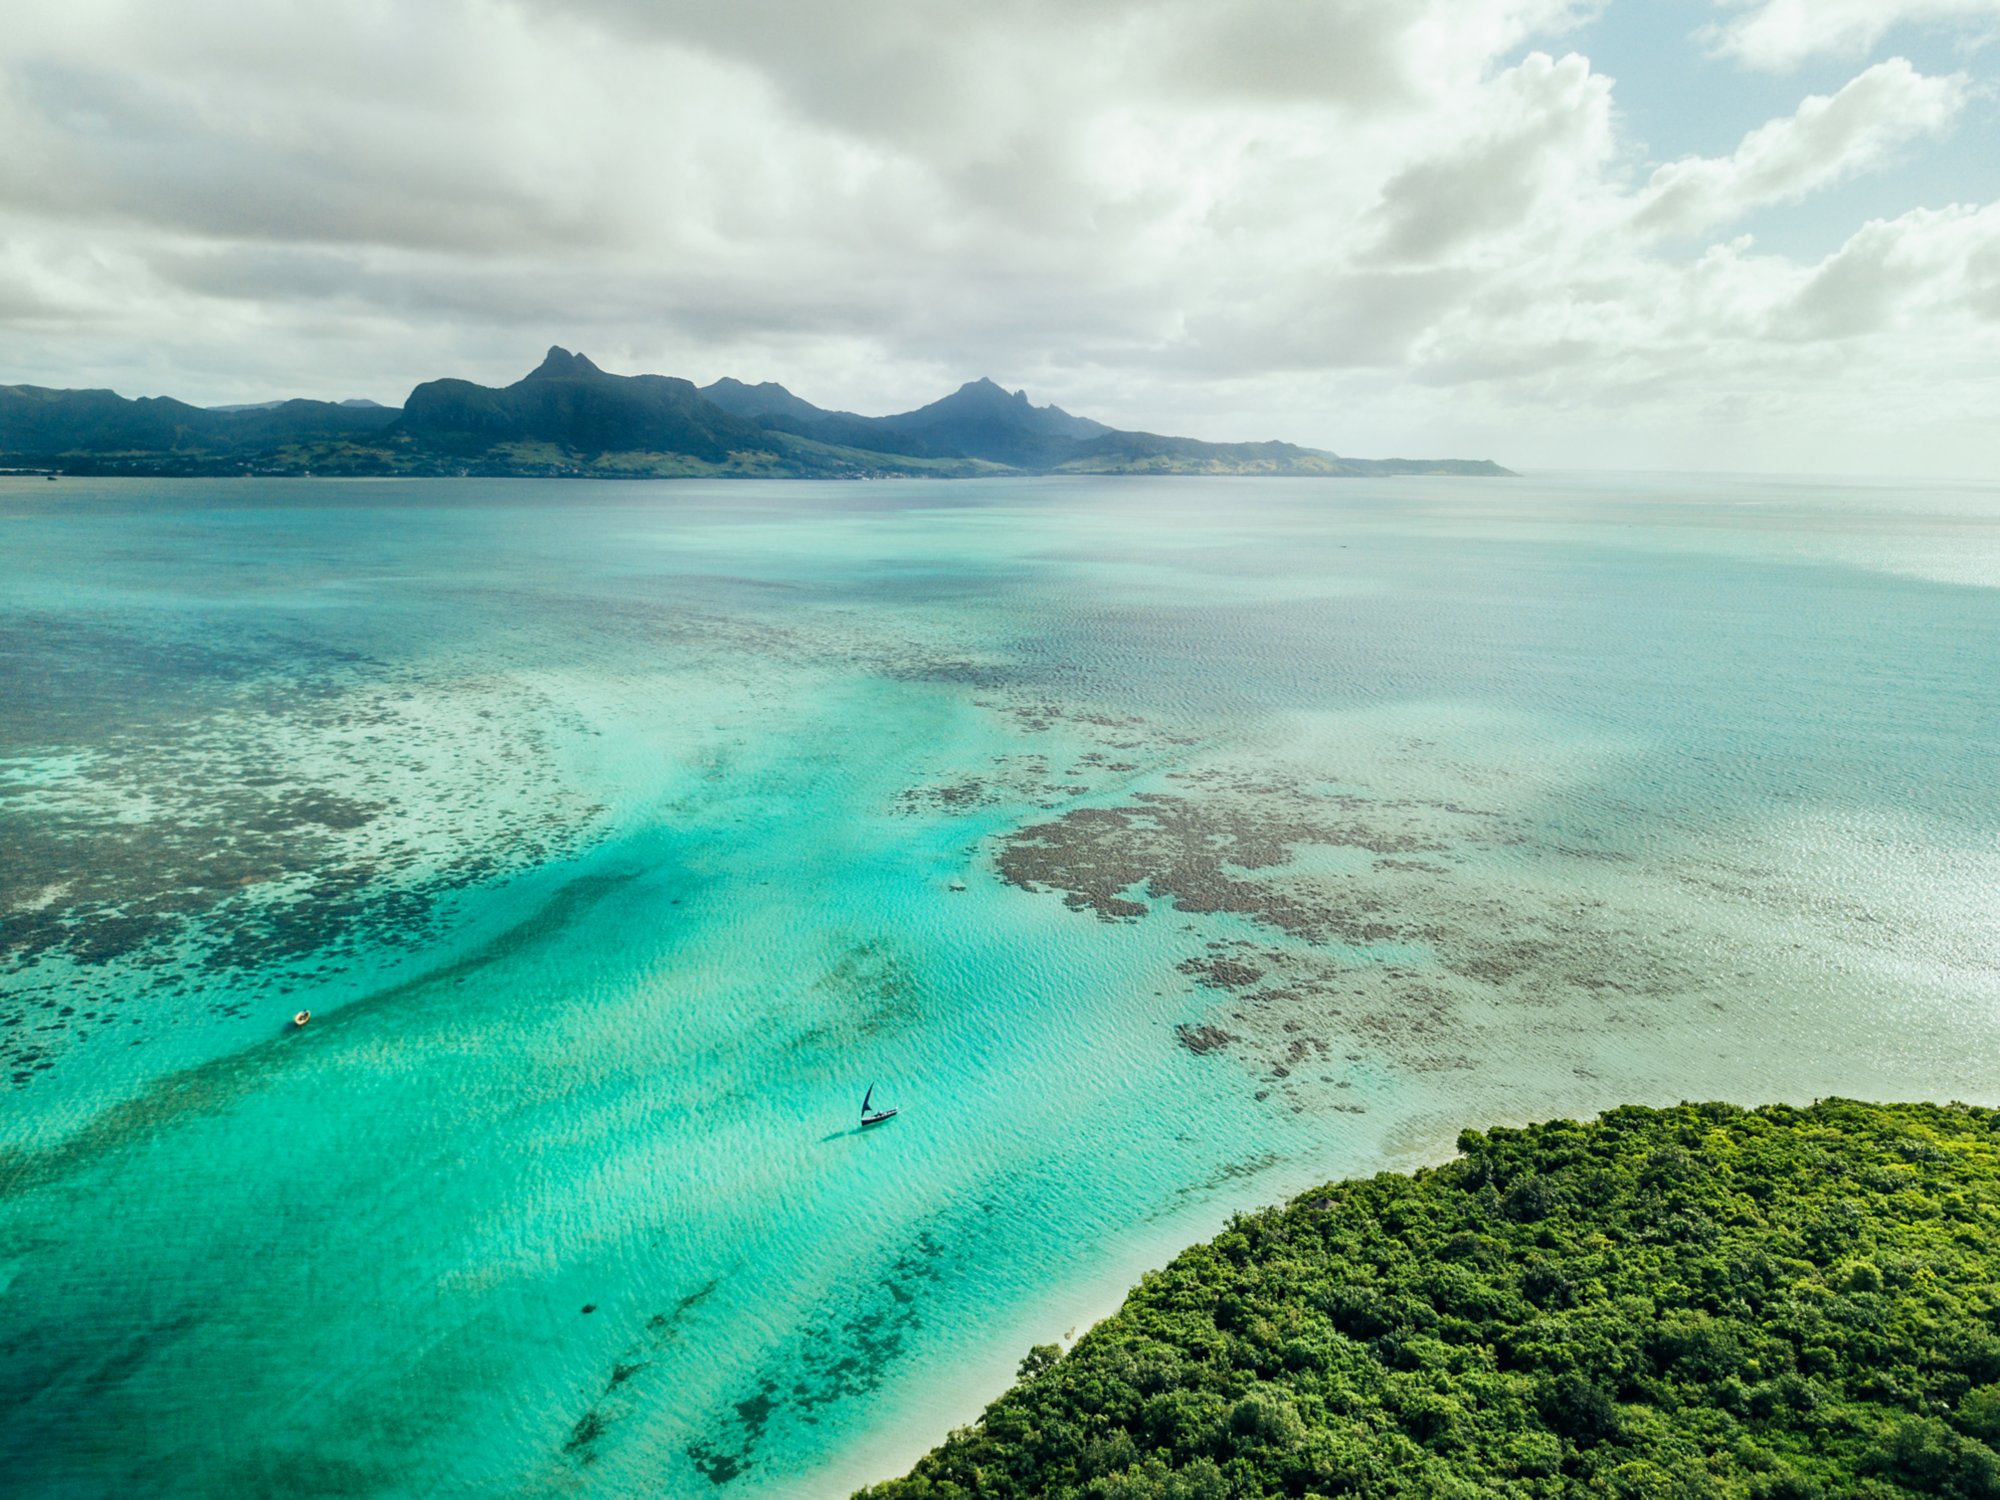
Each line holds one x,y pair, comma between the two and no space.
1161,847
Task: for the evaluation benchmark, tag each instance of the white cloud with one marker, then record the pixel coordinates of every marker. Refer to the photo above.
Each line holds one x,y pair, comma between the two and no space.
1779,34
1827,139
1914,273
1544,133
1366,224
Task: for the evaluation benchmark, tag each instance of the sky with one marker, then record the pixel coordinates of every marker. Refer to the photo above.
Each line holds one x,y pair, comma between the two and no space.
1754,235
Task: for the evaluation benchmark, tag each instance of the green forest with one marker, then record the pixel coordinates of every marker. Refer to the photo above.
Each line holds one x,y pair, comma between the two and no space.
1702,1301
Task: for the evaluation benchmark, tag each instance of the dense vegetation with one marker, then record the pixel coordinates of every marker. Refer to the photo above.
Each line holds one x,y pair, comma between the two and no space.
568,417
98,431
1691,1302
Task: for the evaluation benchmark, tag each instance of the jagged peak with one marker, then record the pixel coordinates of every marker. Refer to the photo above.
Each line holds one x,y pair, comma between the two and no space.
560,364
991,389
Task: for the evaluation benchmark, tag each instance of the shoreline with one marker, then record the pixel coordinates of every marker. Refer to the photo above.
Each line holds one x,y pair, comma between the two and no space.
1515,1285
897,1444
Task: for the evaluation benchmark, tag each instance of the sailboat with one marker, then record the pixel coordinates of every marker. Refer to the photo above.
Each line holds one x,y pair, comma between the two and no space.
873,1116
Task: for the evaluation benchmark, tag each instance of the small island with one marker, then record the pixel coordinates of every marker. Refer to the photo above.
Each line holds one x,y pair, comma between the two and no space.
1664,1304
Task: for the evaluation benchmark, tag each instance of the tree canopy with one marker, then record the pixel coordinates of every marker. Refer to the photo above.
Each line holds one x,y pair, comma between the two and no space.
1686,1303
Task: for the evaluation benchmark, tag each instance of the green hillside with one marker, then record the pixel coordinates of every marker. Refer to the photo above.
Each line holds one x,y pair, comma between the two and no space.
1693,1302
568,418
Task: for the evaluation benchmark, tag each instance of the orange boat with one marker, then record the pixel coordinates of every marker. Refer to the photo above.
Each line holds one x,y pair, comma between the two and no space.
302,1017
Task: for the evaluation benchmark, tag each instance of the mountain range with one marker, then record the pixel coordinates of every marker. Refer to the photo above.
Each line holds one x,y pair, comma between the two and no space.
568,417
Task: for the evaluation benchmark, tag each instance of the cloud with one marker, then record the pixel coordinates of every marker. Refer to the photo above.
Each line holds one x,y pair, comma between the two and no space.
1365,224
1781,34
1826,140
1545,119
1346,319
1923,268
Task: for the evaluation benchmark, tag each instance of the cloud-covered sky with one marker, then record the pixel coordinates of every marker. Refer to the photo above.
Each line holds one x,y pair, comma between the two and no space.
1758,234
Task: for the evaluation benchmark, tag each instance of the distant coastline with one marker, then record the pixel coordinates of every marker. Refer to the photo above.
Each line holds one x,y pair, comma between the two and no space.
569,419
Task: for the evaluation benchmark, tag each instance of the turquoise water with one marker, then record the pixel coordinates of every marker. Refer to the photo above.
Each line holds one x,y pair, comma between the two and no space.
1160,847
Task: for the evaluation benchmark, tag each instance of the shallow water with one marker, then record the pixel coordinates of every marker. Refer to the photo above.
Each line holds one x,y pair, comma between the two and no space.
1160,847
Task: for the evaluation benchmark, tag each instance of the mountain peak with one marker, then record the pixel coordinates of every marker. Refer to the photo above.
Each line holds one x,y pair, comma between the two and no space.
766,398
560,364
989,388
